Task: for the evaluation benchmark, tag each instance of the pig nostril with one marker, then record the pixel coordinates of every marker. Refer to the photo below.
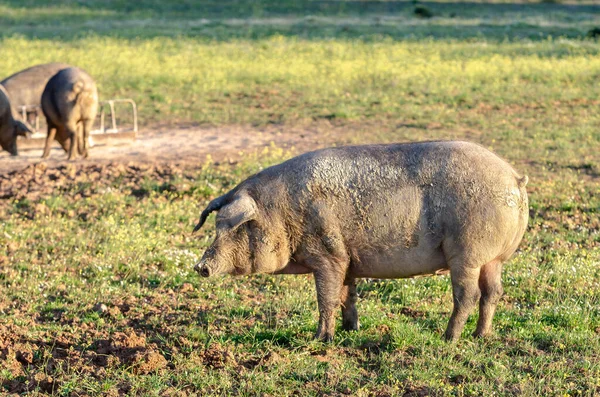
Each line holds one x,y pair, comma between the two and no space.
204,272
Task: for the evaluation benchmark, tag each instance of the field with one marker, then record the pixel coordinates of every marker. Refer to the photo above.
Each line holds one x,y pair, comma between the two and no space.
97,292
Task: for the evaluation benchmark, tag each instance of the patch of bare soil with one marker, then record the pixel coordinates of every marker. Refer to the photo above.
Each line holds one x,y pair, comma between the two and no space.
142,343
35,362
181,145
39,180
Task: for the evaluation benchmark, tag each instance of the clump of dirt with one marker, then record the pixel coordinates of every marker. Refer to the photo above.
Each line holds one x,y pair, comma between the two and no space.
46,383
266,360
217,356
409,312
131,350
147,362
13,355
419,391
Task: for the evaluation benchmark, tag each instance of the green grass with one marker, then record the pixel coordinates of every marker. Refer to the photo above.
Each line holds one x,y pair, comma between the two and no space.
100,242
544,91
363,72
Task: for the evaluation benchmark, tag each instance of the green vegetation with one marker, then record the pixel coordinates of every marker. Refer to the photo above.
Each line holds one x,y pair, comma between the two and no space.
119,235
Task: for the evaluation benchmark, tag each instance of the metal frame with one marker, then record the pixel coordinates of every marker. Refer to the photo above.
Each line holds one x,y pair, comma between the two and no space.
111,104
29,108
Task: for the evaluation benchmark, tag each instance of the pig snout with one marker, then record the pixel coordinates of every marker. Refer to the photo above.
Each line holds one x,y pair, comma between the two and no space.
203,270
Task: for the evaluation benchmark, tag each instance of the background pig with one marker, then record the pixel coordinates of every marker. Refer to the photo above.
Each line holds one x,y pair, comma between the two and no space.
70,104
26,87
10,128
381,211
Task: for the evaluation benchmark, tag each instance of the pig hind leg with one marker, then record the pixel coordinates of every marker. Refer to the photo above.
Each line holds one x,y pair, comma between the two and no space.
349,313
86,127
73,137
490,284
63,138
49,138
465,291
80,144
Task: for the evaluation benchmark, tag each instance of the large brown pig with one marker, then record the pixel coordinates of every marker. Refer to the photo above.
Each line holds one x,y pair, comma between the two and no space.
380,211
70,104
25,87
10,128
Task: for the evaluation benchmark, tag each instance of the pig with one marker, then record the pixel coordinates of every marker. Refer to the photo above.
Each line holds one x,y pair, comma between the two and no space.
70,104
25,87
376,211
10,128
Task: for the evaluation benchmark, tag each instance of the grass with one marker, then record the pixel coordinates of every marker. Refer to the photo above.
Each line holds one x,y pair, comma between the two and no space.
119,235
101,241
504,87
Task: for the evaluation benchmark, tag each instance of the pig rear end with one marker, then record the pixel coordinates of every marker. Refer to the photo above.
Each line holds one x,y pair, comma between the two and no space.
70,104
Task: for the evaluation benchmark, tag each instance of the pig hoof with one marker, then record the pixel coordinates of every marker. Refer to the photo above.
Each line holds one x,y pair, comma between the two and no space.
350,326
481,335
449,337
325,338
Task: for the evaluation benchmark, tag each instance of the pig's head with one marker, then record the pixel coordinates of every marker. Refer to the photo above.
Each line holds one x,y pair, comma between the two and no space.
247,241
9,133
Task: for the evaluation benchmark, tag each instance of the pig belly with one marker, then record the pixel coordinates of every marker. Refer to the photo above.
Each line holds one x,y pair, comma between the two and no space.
399,263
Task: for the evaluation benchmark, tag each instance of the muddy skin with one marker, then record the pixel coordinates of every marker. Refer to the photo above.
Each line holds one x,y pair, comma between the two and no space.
70,104
377,211
10,128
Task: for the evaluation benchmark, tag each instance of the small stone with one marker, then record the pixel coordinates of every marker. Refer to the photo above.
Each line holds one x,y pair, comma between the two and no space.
100,308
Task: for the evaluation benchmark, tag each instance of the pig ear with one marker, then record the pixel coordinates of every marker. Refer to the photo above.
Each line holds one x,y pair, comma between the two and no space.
238,212
214,205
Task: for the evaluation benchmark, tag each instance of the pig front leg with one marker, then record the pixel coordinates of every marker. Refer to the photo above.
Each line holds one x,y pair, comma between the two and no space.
349,313
329,284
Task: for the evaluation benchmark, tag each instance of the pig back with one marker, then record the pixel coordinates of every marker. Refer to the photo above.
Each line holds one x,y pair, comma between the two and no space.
404,200
26,87
69,89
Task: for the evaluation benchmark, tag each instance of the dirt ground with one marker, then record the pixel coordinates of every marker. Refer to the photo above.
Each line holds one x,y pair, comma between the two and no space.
181,145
